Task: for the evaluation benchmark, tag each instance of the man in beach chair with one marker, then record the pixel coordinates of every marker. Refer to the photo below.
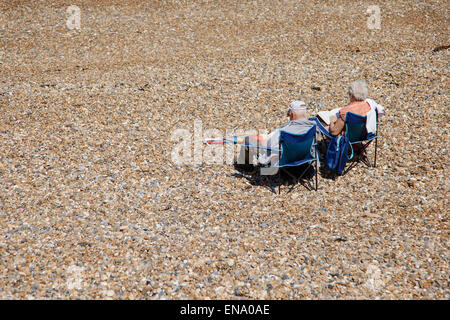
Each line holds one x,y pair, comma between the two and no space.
295,155
298,151
297,124
290,148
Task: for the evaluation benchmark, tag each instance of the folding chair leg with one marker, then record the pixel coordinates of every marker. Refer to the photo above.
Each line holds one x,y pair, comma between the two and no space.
361,158
279,169
317,169
279,181
352,165
375,156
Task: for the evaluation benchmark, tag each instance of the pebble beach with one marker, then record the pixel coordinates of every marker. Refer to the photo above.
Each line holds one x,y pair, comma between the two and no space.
92,205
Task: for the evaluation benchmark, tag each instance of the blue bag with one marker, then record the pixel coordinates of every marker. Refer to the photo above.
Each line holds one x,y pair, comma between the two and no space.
337,154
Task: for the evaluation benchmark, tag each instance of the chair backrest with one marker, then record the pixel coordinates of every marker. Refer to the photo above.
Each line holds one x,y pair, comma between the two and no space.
296,147
355,127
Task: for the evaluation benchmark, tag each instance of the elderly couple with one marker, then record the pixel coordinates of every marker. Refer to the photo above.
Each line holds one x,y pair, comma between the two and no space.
299,123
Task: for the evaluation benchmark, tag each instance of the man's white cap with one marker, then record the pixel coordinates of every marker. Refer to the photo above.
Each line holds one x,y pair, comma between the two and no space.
297,105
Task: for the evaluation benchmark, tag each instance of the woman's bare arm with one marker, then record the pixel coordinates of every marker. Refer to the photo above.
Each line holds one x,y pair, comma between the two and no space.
336,127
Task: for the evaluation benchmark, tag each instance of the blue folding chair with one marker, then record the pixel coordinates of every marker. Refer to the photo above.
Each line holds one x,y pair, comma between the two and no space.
324,132
293,150
356,132
297,150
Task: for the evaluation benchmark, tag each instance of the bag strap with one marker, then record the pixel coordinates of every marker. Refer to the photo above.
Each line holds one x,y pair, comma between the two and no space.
351,157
